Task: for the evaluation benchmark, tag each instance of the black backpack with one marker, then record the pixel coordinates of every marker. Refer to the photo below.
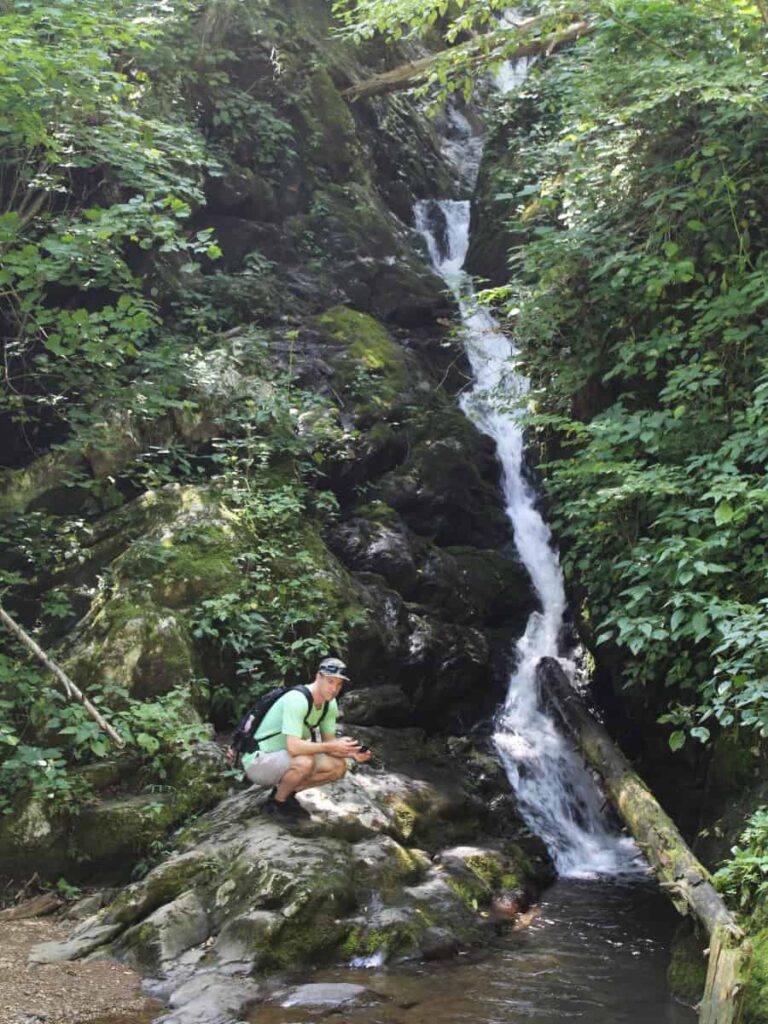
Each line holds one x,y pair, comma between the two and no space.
244,737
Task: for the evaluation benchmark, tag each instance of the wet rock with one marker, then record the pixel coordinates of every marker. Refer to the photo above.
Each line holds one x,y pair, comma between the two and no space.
385,705
381,548
211,998
441,494
322,994
379,643
447,669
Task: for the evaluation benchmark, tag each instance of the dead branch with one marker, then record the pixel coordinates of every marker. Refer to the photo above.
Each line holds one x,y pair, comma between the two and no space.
414,73
72,691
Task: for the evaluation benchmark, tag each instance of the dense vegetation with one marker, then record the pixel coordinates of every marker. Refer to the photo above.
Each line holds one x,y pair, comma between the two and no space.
113,117
644,283
630,176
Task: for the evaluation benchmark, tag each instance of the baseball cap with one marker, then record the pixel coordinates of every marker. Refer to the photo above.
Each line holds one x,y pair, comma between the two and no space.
333,667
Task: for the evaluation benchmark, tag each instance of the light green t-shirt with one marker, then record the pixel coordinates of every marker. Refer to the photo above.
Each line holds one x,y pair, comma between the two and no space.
286,718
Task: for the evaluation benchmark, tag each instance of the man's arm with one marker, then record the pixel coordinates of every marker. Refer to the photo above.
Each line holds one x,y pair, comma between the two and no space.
344,747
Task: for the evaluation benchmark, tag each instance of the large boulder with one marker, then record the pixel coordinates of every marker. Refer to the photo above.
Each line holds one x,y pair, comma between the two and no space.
394,861
118,827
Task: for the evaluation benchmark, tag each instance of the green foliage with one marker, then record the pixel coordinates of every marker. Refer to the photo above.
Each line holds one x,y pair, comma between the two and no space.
744,878
639,305
43,734
290,607
91,178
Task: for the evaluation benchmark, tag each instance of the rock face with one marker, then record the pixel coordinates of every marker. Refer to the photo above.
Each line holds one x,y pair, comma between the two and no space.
400,860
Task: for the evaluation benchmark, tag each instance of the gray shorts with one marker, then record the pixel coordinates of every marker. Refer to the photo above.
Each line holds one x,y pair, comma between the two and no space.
268,767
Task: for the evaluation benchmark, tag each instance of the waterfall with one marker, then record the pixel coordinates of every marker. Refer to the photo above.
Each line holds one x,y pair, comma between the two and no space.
556,792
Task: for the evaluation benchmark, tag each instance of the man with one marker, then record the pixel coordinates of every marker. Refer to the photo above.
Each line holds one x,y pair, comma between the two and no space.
287,759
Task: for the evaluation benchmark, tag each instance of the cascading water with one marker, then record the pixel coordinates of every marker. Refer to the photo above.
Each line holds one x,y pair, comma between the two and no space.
556,793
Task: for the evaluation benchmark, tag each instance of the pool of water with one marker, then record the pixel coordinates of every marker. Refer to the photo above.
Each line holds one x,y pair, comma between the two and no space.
594,951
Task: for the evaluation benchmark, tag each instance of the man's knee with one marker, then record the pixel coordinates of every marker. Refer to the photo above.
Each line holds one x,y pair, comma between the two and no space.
304,764
339,767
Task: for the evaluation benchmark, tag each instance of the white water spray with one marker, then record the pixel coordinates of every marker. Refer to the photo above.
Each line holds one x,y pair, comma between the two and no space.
556,793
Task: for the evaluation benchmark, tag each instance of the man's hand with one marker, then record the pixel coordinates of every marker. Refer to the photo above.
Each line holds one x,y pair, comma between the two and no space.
344,747
361,757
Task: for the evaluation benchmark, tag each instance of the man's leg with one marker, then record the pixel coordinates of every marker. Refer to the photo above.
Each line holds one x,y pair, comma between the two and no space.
301,769
325,769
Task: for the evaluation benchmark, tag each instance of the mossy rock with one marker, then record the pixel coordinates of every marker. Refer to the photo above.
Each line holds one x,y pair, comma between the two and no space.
329,129
32,839
392,932
370,366
39,484
110,836
134,644
498,583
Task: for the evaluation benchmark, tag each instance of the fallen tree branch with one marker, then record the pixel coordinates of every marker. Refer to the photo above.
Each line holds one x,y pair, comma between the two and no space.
72,691
408,75
680,874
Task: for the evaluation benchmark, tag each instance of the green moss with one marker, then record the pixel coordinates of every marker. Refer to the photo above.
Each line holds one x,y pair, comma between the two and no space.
370,364
470,894
20,487
185,561
117,832
330,127
405,816
400,935
687,971
162,886
378,512
756,999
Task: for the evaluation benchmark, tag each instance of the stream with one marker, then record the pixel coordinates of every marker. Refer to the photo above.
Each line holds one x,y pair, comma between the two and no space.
596,951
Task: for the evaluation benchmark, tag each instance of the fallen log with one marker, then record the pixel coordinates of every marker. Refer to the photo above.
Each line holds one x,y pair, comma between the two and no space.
73,692
685,880
38,906
406,76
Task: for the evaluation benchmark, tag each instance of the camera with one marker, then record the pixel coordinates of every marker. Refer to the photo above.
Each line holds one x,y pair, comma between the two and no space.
362,749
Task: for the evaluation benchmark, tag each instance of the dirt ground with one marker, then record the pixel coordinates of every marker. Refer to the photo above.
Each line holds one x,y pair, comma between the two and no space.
99,992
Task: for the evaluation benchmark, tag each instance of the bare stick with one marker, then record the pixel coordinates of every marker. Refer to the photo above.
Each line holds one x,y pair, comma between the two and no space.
70,689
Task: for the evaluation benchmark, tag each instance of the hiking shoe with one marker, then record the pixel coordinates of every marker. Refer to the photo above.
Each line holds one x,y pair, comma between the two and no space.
281,811
298,810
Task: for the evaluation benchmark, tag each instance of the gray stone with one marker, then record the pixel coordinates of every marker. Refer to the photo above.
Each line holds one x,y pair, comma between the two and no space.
323,994
211,998
76,947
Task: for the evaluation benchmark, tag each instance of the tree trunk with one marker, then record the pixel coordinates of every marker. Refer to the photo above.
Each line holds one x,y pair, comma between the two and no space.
680,874
408,75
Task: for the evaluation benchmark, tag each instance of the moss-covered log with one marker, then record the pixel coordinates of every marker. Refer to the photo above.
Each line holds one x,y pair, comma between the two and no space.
406,76
680,874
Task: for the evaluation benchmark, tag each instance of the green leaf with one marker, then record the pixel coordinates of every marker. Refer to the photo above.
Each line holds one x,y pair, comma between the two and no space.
723,513
677,740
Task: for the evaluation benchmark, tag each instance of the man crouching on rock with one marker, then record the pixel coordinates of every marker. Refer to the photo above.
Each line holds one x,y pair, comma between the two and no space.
287,759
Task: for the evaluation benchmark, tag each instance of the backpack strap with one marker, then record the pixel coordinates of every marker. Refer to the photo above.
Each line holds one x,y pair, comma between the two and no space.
311,703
